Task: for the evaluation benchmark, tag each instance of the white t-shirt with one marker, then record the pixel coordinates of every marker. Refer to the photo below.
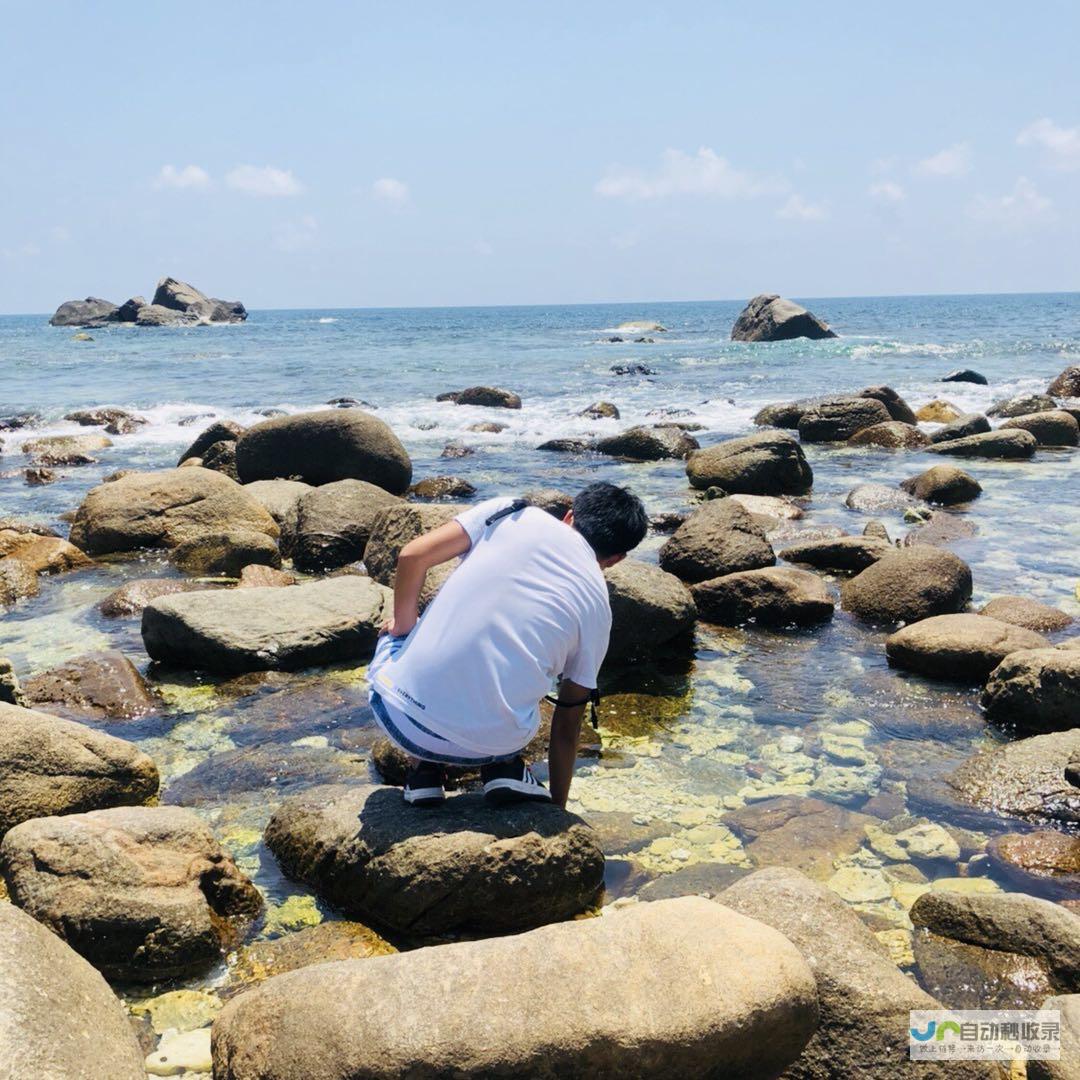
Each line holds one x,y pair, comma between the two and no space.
527,604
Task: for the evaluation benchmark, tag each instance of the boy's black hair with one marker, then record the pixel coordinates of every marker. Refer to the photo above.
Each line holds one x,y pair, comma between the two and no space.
611,518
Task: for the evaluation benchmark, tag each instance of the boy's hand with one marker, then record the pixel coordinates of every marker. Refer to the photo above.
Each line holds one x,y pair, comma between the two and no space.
397,627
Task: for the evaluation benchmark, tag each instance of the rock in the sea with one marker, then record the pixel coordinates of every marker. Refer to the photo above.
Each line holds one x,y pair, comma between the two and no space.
965,375
551,501
334,522
738,1000
60,1019
221,457
17,581
1045,862
321,447
843,555
159,315
1030,614
648,443
219,431
873,498
1067,384
642,326
92,311
1052,428
783,414
771,596
281,499
1035,690
719,538
601,410
938,412
491,397
226,552
565,446
768,317
163,509
945,485
898,408
1008,445
101,417
99,686
128,311
133,596
940,528
864,999
961,428
907,585
65,449
239,630
1022,405
41,554
649,608
892,435
837,419
442,487
53,766
966,647
465,865
177,296
766,463
487,427
143,893
393,529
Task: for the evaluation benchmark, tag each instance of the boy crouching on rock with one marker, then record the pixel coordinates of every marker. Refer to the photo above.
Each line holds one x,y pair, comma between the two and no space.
527,606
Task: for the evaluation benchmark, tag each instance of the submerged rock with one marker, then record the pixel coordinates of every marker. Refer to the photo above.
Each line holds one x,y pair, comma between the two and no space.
1052,428
649,608
1045,862
99,686
837,419
769,317
907,585
843,555
770,596
53,766
321,447
966,647
719,538
1030,614
143,893
60,1018
648,443
1035,690
258,629
491,397
334,522
469,865
965,375
945,485
766,463
1008,445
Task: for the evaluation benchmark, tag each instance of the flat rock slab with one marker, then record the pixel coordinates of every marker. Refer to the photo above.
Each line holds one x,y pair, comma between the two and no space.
101,686
143,893
59,1018
461,865
771,596
843,555
672,990
258,629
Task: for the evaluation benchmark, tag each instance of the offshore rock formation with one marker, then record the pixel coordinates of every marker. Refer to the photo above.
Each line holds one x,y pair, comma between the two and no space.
174,304
769,317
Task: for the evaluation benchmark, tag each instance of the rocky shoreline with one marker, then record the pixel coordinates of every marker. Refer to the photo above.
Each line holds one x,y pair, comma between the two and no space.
277,545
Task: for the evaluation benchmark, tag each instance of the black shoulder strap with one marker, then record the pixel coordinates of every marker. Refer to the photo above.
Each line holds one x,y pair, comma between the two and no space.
506,511
592,701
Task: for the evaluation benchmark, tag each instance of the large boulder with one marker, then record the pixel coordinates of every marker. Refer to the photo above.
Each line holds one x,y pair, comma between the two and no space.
839,555
1030,614
1022,405
771,596
1035,690
961,428
965,375
649,607
837,419
144,893
54,766
1052,428
898,408
1067,384
491,397
766,463
321,447
907,585
60,1020
784,414
93,311
1007,445
864,999
98,686
720,537
393,529
965,646
219,431
1044,862
648,443
945,485
737,1001
769,317
17,581
159,315
226,552
334,522
238,630
892,435
177,296
465,865
163,509
281,499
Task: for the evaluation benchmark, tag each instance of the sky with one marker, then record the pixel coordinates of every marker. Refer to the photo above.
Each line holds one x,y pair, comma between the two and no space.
427,154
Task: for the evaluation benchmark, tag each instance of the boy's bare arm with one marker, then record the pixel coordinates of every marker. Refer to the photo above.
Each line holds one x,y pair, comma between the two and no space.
562,749
415,559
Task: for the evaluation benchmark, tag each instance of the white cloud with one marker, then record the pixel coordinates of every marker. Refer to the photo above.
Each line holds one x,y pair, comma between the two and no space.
1062,145
798,209
886,191
952,161
263,181
1021,207
387,189
703,173
190,176
299,235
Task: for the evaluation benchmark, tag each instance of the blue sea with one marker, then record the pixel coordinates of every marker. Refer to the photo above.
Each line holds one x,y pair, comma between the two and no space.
752,713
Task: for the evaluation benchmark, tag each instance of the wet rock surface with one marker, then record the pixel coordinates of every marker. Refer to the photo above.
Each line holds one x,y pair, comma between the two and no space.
99,686
769,317
908,585
766,463
1035,690
771,596
718,538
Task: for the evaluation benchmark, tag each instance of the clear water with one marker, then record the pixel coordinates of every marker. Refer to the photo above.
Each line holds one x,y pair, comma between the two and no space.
709,735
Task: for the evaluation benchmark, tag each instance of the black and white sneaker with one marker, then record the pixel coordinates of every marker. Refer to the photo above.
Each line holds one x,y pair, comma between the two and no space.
424,784
512,781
